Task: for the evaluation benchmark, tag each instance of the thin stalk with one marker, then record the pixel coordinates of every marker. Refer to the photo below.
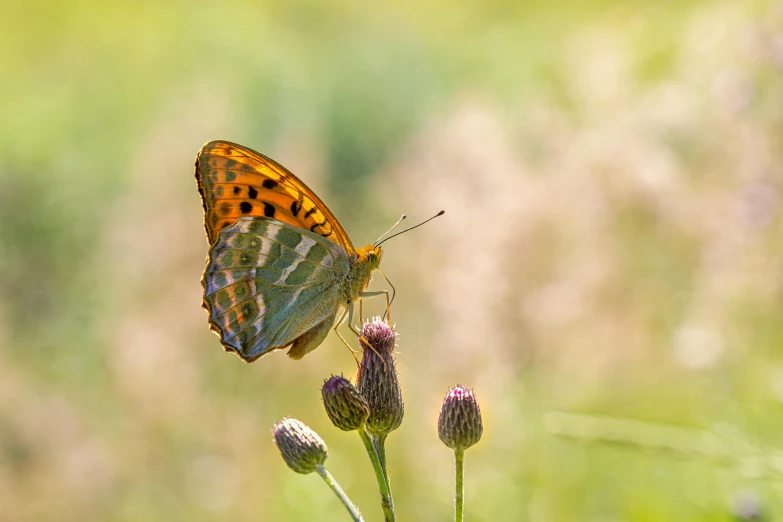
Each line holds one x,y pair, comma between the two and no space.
379,443
387,504
329,479
459,471
380,447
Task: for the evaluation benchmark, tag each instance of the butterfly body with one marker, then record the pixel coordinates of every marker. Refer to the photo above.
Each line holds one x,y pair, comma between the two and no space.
281,270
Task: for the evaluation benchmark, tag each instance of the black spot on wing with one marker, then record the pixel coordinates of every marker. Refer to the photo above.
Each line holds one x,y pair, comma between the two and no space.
295,208
246,207
269,184
237,190
253,193
269,210
309,213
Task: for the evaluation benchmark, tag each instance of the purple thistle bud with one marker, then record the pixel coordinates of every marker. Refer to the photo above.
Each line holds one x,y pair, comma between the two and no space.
459,423
302,449
378,381
346,407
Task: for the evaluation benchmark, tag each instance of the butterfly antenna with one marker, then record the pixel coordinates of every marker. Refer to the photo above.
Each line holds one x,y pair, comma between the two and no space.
392,228
408,229
394,290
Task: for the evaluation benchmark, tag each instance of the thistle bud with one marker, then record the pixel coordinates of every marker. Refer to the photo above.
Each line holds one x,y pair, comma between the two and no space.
345,406
302,449
459,423
378,381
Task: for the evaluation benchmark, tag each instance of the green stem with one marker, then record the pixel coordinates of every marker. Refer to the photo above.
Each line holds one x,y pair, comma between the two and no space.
459,471
380,448
329,479
387,504
379,443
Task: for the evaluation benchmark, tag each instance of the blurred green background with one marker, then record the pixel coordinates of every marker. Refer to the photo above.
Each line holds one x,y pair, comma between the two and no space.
613,247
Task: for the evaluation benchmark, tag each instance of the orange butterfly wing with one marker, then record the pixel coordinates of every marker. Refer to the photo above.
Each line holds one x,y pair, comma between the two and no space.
235,181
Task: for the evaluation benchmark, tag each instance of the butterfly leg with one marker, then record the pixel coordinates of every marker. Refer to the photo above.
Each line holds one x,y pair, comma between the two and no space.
340,321
375,294
353,328
358,333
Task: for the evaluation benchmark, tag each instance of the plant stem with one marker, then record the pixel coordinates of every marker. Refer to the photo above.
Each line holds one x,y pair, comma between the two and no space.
387,504
459,470
380,448
329,479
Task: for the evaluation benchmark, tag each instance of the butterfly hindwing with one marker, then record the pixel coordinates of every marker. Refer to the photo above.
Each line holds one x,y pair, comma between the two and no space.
268,284
235,181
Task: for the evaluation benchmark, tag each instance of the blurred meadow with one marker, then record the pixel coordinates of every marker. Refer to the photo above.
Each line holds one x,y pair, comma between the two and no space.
610,266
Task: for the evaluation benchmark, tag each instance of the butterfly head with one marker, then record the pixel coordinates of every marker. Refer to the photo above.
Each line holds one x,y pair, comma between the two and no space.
370,254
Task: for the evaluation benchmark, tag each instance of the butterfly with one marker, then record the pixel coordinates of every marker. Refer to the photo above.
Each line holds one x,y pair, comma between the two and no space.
281,268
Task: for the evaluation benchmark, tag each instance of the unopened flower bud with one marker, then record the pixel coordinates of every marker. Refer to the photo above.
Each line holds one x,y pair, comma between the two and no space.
302,449
345,406
378,381
459,423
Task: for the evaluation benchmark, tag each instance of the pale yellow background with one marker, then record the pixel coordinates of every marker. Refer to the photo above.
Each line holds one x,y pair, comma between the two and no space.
613,246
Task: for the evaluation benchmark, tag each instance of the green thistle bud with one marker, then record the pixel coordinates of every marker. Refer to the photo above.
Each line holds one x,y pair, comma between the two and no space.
459,423
345,406
302,449
378,381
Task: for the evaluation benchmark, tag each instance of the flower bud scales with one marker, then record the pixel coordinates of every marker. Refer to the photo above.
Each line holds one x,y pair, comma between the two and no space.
459,423
378,381
302,449
346,407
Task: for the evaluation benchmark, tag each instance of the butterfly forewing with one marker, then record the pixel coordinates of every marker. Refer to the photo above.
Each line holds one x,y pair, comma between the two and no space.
268,283
235,182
